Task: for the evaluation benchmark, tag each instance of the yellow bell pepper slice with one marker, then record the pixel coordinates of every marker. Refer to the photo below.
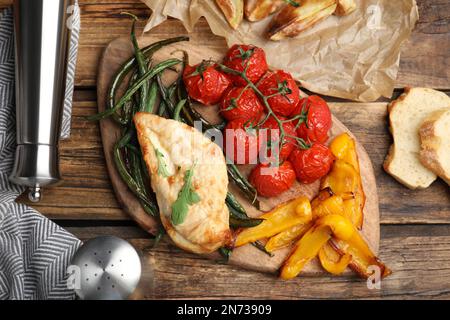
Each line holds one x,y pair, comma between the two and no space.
310,244
283,217
331,205
325,203
287,237
343,147
332,261
348,181
343,179
362,256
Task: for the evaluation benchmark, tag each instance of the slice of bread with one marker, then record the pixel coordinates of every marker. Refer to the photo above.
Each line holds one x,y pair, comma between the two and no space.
435,143
406,115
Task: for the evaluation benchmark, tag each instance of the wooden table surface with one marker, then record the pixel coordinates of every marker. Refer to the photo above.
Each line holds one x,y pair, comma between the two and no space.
415,225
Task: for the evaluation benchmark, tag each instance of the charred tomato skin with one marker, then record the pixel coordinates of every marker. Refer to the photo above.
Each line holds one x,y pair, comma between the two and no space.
273,184
204,83
245,141
286,93
318,119
286,148
240,56
241,102
311,164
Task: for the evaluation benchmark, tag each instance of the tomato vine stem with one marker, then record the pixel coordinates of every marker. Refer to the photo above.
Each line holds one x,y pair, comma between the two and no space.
265,100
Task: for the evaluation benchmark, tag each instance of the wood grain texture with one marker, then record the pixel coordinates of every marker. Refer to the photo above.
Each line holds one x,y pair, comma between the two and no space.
418,255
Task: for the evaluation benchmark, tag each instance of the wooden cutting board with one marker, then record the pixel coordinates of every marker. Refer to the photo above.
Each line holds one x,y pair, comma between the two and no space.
248,256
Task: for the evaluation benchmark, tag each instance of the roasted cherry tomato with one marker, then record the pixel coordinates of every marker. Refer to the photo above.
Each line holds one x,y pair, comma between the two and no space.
317,119
285,148
283,91
241,102
270,182
313,163
205,83
241,141
241,56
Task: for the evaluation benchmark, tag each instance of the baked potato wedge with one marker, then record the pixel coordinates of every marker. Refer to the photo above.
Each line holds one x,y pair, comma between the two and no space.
345,7
233,11
292,20
256,10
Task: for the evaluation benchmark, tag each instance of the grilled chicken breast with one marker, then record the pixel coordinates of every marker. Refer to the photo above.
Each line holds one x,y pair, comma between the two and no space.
183,150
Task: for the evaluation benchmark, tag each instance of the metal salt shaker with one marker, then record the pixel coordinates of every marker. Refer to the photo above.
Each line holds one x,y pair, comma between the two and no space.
41,45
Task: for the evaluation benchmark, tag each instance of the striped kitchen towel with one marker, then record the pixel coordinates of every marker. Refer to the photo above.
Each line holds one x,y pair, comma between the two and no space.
34,252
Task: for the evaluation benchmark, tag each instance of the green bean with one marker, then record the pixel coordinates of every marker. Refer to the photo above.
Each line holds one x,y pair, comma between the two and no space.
258,245
137,172
123,117
164,96
225,253
132,90
129,180
141,62
162,109
190,115
241,220
243,184
145,171
151,97
235,213
158,237
171,90
131,63
234,203
127,110
194,114
132,147
125,139
149,210
129,106
236,223
178,108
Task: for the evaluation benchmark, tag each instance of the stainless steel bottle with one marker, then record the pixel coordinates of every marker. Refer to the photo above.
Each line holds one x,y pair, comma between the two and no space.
41,44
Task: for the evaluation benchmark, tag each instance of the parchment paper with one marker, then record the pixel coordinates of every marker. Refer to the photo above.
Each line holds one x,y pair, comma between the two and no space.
354,57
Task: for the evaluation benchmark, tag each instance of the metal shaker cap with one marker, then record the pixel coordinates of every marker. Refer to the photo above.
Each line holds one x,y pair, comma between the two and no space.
109,269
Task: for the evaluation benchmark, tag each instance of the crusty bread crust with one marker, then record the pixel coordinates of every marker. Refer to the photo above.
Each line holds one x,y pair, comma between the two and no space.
390,107
392,164
430,143
391,154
